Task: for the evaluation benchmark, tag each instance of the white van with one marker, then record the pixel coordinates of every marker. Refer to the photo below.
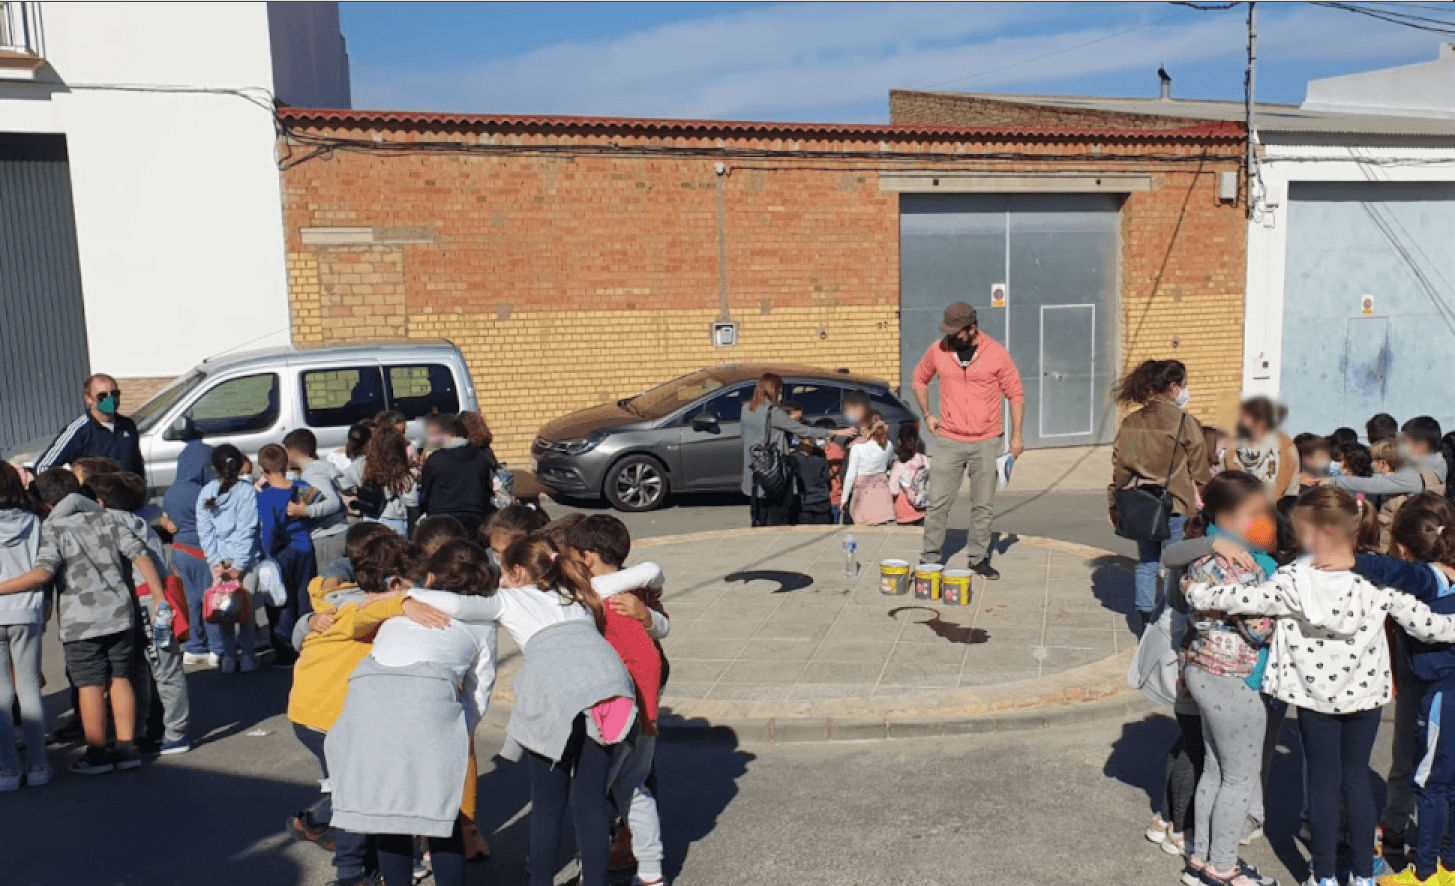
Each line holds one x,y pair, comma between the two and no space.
252,398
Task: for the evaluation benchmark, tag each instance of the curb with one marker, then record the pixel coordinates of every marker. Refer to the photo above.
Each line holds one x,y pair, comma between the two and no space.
813,729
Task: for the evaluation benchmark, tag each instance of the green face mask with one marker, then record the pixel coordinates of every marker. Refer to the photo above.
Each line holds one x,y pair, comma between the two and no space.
109,404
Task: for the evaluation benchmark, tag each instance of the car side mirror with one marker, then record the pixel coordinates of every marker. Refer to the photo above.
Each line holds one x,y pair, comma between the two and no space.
704,422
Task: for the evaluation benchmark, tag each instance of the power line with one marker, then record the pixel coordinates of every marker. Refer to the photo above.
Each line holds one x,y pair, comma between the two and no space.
1062,51
1418,22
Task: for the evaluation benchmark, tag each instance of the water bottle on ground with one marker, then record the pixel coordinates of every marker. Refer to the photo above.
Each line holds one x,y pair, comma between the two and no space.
851,558
162,628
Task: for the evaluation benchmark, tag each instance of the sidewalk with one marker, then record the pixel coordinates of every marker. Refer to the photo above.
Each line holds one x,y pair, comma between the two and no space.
765,627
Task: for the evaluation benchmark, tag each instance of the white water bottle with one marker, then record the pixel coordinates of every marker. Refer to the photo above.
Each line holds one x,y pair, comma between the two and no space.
162,627
851,559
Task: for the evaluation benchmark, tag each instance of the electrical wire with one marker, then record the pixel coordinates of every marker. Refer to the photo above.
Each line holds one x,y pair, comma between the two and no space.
1421,23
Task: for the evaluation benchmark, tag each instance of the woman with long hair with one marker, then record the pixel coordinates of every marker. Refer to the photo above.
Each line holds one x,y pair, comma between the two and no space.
385,467
764,423
1157,442
231,533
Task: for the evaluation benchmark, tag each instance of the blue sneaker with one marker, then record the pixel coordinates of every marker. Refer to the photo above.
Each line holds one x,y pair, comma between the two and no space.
1381,867
180,746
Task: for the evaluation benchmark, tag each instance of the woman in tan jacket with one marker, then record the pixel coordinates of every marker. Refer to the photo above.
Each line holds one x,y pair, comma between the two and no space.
1157,438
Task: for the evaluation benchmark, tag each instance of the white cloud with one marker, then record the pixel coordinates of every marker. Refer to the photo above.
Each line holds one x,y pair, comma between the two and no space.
803,61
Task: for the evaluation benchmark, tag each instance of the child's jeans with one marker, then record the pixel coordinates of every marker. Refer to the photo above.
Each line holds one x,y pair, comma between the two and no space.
20,658
196,579
1337,748
351,855
1149,564
297,569
1435,782
242,638
164,670
632,792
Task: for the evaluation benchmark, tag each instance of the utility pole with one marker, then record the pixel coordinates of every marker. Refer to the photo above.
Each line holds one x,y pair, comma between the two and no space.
1249,100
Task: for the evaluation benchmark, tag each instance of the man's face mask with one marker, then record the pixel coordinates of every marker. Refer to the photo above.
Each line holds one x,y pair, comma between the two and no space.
109,403
966,342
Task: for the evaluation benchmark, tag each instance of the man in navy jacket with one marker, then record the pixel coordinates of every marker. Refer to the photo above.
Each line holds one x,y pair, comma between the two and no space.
101,431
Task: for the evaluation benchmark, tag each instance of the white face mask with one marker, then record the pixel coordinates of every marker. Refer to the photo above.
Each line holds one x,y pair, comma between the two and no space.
1183,397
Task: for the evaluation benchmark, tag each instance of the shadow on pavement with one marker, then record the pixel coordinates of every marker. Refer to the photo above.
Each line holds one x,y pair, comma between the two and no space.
696,781
1139,757
675,500
1112,583
946,630
786,581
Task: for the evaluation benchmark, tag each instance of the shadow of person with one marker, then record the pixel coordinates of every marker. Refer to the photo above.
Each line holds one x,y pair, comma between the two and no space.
786,581
955,542
1139,757
1113,584
696,781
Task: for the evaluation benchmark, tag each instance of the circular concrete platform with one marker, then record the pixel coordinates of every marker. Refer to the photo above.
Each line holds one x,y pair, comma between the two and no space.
767,628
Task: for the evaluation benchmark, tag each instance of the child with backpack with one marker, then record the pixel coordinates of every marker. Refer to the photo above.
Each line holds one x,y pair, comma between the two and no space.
866,477
815,483
909,477
227,523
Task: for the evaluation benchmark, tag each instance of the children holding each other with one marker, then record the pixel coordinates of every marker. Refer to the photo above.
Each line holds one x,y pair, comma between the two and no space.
287,541
327,521
1329,658
97,613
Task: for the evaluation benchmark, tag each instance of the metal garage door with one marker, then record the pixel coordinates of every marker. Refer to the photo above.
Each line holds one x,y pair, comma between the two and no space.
43,335
1056,258
1369,303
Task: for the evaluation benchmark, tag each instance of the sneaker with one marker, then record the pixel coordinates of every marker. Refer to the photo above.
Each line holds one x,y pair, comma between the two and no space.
1382,867
302,828
248,665
69,732
1157,830
38,774
1175,844
10,780
1243,875
93,763
985,570
126,758
227,665
1192,872
1408,877
1254,875
359,880
171,748
1254,832
1315,881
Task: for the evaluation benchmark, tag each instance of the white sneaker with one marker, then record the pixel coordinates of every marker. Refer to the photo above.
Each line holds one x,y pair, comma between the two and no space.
9,781
38,774
208,659
1175,844
1157,830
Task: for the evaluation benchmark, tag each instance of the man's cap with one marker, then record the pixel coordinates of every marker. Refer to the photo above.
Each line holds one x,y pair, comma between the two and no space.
958,316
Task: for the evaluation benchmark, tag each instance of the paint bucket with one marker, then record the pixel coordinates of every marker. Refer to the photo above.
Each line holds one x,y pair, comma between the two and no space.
894,577
955,587
927,581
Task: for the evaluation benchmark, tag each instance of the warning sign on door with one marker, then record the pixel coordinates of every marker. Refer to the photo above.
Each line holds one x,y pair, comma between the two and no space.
1366,304
997,295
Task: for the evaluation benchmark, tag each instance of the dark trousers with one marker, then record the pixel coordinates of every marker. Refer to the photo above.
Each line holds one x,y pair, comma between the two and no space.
298,569
815,515
1184,768
352,855
446,858
578,781
1337,749
771,510
1435,783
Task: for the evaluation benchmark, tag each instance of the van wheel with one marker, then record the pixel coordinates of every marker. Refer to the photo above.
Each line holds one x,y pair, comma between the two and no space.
636,483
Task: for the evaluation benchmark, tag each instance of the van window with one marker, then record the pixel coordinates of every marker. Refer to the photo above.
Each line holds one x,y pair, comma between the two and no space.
243,405
417,390
340,397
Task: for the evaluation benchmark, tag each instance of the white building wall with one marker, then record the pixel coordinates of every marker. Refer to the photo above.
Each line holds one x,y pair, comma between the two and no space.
1267,235
176,191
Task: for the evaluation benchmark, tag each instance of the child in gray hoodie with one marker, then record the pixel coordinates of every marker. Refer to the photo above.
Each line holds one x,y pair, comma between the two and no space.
22,621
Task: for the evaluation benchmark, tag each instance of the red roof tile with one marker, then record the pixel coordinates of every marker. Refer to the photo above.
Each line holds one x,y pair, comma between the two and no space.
1218,130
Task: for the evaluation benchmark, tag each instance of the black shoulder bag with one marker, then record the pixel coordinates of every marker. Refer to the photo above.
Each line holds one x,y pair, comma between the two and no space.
768,464
1143,511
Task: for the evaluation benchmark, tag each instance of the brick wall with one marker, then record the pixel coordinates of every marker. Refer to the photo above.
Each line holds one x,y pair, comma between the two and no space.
915,108
569,279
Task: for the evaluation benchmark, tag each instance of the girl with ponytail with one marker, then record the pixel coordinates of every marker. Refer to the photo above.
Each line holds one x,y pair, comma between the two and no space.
866,495
1329,658
230,531
574,699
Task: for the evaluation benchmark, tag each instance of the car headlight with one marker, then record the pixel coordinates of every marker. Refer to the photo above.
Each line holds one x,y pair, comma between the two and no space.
577,447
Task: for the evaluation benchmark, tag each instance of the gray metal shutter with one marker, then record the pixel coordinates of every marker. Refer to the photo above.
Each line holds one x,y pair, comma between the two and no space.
43,357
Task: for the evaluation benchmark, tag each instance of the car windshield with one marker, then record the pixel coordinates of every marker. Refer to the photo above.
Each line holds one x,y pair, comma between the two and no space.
667,398
150,412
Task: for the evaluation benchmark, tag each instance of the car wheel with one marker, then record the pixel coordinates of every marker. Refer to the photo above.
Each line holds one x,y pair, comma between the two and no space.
636,483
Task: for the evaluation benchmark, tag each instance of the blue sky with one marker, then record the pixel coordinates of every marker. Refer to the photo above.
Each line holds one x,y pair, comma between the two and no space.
833,61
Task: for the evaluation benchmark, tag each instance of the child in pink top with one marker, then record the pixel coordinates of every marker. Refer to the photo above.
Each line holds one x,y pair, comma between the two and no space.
909,476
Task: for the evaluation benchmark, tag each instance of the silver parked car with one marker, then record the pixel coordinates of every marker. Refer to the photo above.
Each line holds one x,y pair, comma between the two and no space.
683,436
251,398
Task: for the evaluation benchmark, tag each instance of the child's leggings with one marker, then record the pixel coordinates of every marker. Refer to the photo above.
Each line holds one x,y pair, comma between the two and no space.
578,780
446,858
1233,721
1337,748
1434,781
1184,768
